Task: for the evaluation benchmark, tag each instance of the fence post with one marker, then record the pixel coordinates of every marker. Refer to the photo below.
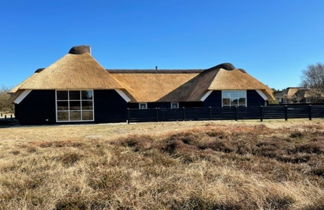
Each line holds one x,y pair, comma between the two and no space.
157,113
210,112
261,113
184,113
128,115
286,112
310,112
236,113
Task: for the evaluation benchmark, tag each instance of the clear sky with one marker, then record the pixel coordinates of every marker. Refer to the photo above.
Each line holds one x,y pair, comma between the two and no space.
273,40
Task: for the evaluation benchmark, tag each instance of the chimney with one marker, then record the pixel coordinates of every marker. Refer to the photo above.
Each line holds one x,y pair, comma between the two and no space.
80,49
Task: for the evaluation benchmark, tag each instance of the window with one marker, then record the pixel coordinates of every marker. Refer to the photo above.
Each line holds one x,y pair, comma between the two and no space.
76,105
234,98
142,105
174,105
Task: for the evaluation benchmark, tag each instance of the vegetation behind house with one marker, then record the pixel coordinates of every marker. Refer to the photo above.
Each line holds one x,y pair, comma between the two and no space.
6,105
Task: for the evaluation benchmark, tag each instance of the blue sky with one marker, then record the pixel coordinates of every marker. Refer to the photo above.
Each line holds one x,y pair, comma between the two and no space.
273,40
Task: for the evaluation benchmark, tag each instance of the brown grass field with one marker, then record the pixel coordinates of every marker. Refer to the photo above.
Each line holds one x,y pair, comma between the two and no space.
171,165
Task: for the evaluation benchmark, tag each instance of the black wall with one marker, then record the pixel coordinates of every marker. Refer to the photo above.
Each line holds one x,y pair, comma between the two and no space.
254,99
215,99
152,105
37,108
109,106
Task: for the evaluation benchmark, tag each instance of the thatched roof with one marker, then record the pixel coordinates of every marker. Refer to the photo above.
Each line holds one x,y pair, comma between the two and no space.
151,85
73,71
79,70
184,85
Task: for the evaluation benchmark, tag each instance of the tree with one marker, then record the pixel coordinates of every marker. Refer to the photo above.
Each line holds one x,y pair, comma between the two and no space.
5,102
313,78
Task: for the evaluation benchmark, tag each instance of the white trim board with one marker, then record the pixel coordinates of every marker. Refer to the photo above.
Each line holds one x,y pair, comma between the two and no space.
22,96
203,98
262,95
123,95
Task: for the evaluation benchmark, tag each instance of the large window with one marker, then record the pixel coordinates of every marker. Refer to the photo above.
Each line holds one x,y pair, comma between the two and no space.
234,98
76,105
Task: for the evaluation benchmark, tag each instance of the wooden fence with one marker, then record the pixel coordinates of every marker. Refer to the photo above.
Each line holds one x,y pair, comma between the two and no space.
226,113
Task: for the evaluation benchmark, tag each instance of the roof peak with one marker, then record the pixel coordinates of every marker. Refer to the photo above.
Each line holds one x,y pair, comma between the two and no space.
80,49
225,66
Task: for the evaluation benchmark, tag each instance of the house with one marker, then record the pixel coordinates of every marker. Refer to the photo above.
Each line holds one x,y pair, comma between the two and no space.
76,88
299,95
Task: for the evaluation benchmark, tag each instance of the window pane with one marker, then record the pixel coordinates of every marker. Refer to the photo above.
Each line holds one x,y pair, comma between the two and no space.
87,115
234,102
75,105
74,95
62,95
143,106
62,105
226,102
226,94
62,116
87,94
174,105
87,105
242,101
75,115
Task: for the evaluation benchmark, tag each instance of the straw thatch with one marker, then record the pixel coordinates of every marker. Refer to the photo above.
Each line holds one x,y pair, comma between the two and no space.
79,70
151,86
73,71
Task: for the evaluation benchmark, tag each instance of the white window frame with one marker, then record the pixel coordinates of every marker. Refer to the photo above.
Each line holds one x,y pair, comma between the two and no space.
139,105
245,96
68,100
176,107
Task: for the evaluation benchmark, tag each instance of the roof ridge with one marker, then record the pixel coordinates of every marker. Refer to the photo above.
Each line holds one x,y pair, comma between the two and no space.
155,71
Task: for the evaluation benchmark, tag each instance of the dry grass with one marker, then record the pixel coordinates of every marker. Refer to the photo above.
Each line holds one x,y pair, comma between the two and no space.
193,165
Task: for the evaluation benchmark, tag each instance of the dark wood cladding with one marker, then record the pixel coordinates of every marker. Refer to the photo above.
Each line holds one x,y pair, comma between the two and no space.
214,99
254,99
109,106
152,105
37,108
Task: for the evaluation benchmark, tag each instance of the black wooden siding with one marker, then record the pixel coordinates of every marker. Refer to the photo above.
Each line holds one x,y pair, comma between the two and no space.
254,99
109,106
37,108
214,99
167,105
